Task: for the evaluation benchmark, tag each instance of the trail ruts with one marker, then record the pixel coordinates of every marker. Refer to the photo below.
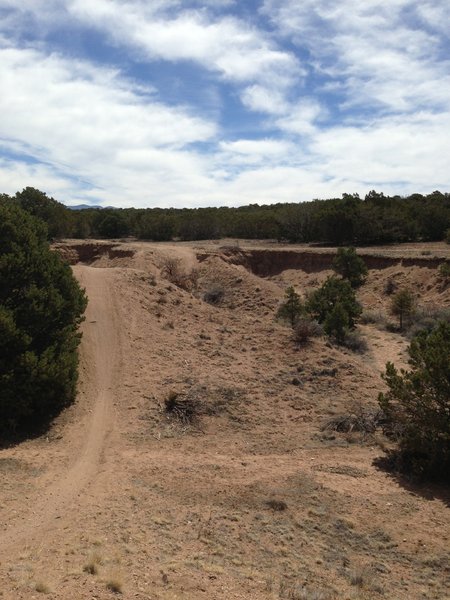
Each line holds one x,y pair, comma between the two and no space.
100,358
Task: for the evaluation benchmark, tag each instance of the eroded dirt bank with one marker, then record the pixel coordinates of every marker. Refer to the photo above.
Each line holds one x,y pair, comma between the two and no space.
251,498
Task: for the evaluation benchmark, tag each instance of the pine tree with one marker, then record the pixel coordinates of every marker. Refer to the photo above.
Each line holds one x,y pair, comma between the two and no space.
350,266
292,308
417,404
41,306
402,305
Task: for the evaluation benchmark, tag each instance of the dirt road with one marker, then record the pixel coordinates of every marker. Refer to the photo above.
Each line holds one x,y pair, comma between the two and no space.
86,437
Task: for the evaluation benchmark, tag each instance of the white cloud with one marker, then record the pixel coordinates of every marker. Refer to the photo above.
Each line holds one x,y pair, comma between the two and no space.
374,49
372,112
226,45
301,118
264,99
90,122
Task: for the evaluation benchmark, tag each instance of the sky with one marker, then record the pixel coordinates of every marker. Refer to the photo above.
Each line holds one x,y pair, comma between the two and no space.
222,102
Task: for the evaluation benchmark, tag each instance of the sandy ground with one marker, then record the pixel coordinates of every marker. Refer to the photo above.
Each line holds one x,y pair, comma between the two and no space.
250,500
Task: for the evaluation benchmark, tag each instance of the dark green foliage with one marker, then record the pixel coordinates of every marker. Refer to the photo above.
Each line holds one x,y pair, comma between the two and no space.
444,270
59,218
292,307
350,266
156,226
417,405
336,323
402,305
112,225
350,220
334,292
41,306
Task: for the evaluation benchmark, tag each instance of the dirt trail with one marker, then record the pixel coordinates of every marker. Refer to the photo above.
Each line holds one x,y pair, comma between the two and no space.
100,356
385,347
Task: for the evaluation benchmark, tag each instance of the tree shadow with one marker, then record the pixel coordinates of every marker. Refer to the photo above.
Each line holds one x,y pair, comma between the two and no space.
436,489
9,438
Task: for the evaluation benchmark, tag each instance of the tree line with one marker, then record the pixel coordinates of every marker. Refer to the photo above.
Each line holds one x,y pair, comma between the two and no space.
350,220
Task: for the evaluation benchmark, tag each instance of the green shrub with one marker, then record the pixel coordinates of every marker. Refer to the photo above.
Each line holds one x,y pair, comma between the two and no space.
41,306
403,306
323,300
292,307
336,323
444,270
417,405
350,266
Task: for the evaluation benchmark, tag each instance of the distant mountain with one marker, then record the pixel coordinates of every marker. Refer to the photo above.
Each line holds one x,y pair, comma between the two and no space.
82,207
85,206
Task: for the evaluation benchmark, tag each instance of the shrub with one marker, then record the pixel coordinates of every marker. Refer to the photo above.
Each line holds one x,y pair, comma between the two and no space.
402,305
390,287
292,308
336,323
214,295
173,270
334,291
184,408
350,266
305,329
444,270
374,317
41,306
427,318
447,236
417,405
355,342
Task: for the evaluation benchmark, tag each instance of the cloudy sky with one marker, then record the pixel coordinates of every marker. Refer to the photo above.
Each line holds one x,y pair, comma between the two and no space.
223,102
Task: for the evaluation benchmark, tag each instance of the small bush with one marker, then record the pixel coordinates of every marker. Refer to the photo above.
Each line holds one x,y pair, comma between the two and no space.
277,505
361,421
305,329
292,308
426,319
174,272
390,287
42,588
93,563
184,408
444,270
115,584
214,295
355,342
373,317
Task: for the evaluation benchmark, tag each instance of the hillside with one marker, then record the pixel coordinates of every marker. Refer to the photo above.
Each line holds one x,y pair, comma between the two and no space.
244,493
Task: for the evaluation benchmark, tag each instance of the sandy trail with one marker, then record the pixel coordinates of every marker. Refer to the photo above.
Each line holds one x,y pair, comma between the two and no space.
385,347
100,354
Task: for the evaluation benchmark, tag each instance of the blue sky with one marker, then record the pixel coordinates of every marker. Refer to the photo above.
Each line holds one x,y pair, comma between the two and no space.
189,103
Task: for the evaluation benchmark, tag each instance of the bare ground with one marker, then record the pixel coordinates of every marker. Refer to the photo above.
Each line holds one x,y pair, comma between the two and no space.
251,498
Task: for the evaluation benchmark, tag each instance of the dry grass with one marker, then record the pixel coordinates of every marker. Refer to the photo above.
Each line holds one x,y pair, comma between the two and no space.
93,563
42,587
174,271
114,583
